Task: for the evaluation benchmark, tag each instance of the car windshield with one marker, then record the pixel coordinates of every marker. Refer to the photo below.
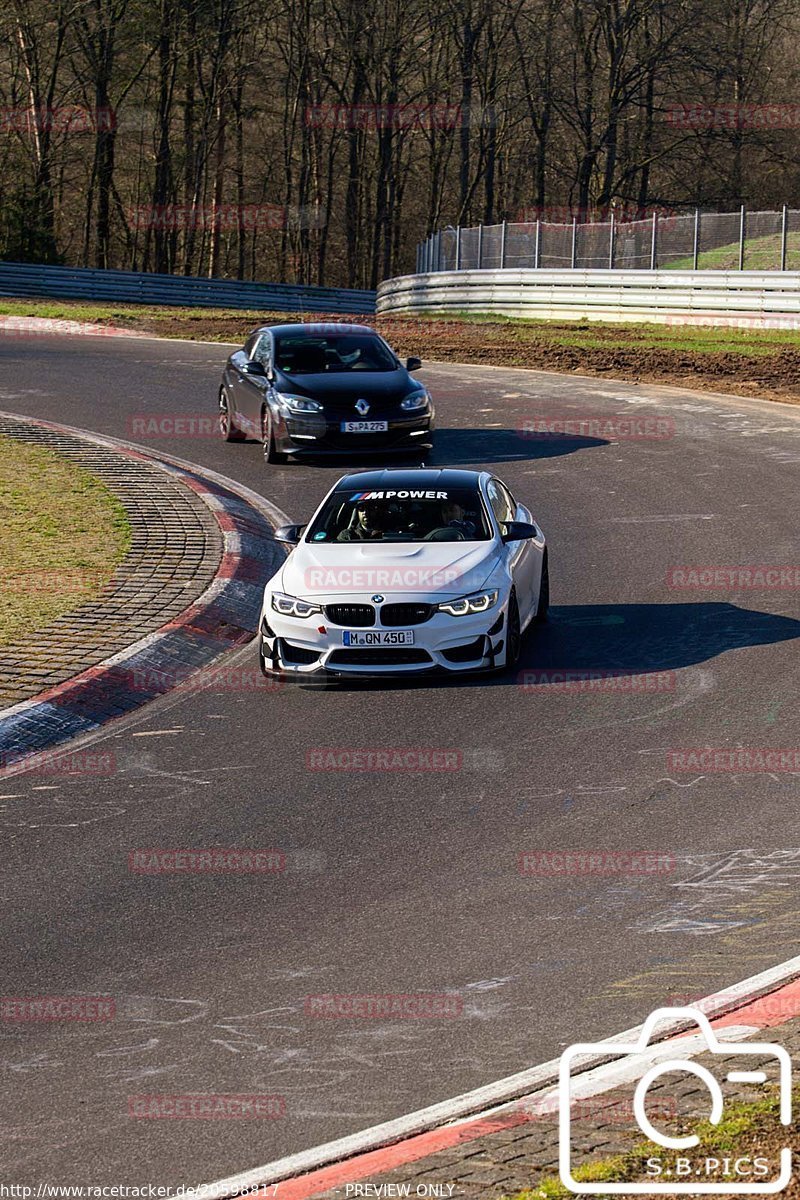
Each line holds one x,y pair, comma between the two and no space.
298,354
402,515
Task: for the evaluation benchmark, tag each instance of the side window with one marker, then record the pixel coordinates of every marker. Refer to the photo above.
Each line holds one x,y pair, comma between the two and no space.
261,351
510,501
498,497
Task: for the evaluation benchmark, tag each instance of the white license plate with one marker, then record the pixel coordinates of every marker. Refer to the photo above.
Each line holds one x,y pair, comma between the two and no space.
365,426
378,637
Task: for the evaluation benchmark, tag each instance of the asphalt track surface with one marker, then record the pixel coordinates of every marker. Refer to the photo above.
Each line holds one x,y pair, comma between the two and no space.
397,882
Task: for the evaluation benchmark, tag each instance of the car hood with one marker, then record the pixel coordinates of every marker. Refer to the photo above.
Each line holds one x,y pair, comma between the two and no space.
349,385
392,569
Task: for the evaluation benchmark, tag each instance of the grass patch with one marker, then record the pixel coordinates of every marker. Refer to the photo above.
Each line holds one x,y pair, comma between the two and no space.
760,254
200,324
224,324
747,1128
741,361
64,533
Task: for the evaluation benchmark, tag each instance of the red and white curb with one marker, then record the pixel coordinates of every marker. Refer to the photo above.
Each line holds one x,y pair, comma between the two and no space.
223,616
55,326
735,1013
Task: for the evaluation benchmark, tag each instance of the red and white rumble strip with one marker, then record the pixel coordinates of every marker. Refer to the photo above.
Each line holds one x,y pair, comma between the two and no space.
767,999
225,615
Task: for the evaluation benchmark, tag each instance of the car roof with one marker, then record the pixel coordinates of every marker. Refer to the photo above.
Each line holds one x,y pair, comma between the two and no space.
402,479
315,328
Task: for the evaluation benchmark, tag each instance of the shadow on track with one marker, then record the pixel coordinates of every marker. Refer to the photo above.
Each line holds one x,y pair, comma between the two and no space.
457,447
461,448
651,637
629,639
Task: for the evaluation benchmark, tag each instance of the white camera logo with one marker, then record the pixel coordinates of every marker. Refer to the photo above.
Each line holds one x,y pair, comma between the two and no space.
659,1056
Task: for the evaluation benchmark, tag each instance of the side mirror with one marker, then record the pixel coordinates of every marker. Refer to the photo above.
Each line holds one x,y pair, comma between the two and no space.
289,535
254,368
518,531
413,364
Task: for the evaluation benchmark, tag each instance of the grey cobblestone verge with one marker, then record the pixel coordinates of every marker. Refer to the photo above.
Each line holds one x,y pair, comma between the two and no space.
176,547
513,1159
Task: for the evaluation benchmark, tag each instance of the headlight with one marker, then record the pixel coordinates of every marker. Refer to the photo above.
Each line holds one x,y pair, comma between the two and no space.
467,605
300,404
290,606
415,400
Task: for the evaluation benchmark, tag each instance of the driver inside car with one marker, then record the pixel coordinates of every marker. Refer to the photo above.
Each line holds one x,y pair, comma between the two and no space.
370,524
454,518
366,526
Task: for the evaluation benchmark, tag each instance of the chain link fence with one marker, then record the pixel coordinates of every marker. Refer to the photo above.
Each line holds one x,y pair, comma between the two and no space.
735,241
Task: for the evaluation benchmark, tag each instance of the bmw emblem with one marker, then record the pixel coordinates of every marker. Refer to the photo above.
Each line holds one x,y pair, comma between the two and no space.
362,406
378,599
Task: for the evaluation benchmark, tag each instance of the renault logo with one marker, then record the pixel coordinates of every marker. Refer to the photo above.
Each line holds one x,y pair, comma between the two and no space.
377,599
362,406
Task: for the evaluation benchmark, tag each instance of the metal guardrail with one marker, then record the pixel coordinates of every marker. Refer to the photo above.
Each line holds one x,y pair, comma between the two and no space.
183,291
758,298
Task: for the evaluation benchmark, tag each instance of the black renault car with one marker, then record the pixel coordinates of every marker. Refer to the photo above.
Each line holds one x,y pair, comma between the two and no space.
311,389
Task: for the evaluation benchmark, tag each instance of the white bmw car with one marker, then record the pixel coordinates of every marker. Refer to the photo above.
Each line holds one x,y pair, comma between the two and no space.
403,572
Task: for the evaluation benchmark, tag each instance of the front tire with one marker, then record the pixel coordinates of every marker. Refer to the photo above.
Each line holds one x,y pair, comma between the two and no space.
543,603
271,455
513,633
227,429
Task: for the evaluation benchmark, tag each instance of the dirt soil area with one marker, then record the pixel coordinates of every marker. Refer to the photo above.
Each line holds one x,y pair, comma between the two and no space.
744,362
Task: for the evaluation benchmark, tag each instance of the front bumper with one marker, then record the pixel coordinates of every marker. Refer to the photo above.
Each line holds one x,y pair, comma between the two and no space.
294,646
318,435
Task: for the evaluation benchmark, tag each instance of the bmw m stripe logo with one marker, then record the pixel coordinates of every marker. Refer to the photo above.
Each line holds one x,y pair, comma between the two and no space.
402,495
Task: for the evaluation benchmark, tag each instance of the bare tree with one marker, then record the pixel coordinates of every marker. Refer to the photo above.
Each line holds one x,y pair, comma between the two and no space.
299,110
